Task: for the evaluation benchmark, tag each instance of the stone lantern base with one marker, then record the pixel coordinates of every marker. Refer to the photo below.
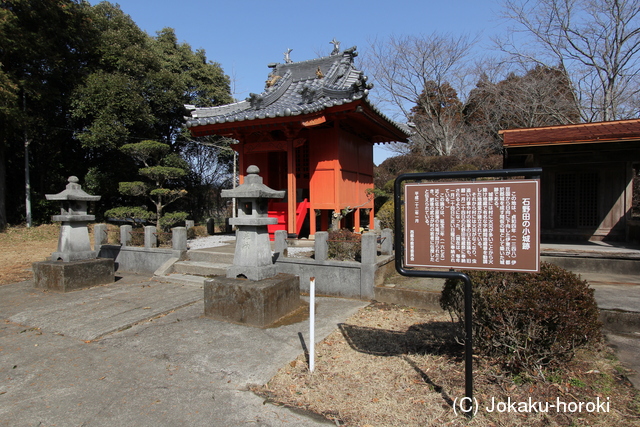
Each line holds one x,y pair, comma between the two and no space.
255,303
252,259
69,276
73,242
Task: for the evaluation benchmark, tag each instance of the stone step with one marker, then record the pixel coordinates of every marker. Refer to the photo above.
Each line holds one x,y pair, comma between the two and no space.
211,256
591,264
182,279
620,322
199,268
418,298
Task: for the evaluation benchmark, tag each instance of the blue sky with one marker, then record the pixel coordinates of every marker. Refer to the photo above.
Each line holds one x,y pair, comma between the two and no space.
246,35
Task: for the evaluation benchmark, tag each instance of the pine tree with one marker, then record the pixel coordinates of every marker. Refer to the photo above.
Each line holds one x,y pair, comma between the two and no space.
162,170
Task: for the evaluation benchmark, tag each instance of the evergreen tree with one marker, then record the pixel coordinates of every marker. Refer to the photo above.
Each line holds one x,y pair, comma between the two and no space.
136,91
77,82
437,120
43,55
162,169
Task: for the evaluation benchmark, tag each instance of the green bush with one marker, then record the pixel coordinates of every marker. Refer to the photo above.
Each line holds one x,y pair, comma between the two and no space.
386,215
135,215
527,321
343,245
170,219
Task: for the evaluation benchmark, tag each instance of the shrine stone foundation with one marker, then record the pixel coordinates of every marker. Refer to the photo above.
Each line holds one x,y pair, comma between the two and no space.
254,303
252,293
68,276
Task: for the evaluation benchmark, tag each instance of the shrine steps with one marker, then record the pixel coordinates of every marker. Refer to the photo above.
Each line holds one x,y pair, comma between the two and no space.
219,255
200,268
200,264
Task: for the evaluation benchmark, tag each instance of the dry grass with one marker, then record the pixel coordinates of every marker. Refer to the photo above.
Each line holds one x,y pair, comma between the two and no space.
22,246
394,366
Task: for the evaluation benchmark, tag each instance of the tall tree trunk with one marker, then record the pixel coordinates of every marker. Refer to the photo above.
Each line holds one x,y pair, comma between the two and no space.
27,181
27,174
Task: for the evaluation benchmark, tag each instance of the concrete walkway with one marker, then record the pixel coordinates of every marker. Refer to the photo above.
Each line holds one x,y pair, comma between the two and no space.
139,353
613,271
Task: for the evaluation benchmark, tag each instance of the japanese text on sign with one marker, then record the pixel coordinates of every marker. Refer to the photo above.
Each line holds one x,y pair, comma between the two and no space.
488,225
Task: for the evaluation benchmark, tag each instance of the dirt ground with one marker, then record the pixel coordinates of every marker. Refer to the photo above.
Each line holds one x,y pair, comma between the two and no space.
21,246
398,366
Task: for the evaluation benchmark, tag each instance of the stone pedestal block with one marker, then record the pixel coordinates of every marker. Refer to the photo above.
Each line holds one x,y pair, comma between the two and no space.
179,238
150,237
254,303
68,276
386,245
73,242
252,258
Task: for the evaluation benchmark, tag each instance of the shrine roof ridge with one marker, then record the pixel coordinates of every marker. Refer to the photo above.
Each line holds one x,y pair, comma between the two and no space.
297,88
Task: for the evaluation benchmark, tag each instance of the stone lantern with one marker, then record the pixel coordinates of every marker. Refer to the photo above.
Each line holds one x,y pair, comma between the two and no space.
266,296
252,259
74,265
73,243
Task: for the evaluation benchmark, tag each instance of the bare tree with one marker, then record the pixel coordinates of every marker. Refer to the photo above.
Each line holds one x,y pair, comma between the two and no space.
421,78
210,159
538,97
595,42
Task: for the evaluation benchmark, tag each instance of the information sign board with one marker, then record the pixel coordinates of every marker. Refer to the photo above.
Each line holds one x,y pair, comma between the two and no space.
482,225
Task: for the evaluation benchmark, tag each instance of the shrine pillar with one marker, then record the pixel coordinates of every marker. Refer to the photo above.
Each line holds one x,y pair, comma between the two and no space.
241,160
312,221
372,219
291,187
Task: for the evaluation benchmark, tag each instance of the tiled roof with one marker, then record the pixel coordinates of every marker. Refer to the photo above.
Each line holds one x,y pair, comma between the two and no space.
297,88
573,134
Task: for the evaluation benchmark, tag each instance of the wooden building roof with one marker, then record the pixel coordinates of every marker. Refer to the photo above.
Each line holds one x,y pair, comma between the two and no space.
306,93
583,133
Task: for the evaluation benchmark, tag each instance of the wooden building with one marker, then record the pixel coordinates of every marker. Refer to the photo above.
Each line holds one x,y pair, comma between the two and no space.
311,132
587,179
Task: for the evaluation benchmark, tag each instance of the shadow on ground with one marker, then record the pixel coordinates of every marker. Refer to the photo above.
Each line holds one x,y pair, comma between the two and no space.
435,338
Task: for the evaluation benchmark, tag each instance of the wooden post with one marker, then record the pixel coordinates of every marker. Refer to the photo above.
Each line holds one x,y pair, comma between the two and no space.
291,187
372,218
312,221
243,163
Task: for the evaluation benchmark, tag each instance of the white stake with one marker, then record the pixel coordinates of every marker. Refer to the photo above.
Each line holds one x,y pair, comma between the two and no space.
312,320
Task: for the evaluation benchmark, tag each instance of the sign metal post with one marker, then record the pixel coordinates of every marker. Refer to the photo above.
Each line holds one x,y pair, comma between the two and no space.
485,225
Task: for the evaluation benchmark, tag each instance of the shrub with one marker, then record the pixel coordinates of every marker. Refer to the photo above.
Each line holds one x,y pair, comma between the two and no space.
527,321
386,215
343,245
197,231
170,219
165,238
134,215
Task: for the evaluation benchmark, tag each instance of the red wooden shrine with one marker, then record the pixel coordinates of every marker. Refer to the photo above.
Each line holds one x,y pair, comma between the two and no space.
311,133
